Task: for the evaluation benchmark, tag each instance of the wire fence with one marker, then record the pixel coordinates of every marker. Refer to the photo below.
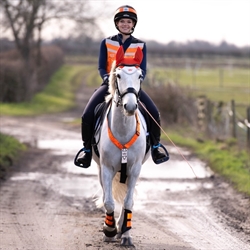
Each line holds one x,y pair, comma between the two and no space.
221,121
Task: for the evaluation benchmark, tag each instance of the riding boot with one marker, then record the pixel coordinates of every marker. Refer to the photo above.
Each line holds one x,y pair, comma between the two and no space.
85,161
158,151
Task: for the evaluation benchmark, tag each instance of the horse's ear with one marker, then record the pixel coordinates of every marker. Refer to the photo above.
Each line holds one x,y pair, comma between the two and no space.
119,55
138,55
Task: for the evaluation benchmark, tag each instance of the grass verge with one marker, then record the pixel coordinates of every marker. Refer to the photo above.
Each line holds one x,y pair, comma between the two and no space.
224,158
10,149
58,96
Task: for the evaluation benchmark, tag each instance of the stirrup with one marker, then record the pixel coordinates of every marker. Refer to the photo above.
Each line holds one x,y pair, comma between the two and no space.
159,161
79,164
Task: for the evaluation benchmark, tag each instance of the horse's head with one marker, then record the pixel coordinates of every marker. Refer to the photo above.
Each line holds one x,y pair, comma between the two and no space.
125,81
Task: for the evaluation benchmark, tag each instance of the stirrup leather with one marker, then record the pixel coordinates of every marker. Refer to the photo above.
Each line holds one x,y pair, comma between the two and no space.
79,164
163,159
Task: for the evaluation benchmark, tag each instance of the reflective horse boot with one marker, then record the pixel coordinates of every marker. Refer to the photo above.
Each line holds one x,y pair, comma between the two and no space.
126,239
109,228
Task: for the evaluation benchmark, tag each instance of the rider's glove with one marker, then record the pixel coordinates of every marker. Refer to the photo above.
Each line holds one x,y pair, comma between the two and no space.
141,78
106,79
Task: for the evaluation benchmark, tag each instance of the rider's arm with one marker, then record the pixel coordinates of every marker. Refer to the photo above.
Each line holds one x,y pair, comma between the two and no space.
143,65
102,65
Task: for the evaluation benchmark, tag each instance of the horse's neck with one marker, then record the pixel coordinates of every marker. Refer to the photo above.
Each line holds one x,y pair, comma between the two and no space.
121,126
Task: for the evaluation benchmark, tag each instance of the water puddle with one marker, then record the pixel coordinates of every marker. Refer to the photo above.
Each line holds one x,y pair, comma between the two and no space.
77,186
171,169
60,146
154,179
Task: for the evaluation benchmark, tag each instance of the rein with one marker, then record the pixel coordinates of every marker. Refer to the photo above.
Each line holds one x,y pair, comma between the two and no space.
168,138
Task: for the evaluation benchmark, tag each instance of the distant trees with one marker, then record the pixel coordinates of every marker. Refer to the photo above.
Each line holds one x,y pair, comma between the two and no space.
26,19
196,48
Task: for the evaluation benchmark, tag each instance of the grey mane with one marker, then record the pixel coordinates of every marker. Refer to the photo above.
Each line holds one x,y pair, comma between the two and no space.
112,80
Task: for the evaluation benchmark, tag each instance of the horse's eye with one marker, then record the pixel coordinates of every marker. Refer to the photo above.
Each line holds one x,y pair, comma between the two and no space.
118,76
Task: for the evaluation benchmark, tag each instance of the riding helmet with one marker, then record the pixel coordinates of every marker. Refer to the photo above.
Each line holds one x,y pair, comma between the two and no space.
125,11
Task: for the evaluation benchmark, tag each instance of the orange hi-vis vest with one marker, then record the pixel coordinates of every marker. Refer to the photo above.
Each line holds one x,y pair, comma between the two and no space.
112,48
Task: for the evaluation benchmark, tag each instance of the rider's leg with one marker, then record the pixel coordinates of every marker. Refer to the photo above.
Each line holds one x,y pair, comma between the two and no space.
155,131
87,123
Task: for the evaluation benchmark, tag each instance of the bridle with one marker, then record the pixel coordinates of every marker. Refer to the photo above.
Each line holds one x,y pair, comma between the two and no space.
128,90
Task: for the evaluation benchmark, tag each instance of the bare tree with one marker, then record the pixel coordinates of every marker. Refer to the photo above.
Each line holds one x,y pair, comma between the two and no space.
26,19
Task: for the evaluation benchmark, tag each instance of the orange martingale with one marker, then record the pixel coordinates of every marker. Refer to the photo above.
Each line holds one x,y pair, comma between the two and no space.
133,139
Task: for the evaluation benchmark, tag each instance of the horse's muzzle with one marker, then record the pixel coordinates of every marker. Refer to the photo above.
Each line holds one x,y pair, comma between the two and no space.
130,109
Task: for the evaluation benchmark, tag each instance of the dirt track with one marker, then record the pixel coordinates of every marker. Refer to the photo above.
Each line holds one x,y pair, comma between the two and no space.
47,201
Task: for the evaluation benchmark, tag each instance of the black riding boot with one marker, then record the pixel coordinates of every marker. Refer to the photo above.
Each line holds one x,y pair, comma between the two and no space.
158,151
85,161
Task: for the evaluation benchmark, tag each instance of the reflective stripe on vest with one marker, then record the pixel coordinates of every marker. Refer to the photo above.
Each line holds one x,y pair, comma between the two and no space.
112,48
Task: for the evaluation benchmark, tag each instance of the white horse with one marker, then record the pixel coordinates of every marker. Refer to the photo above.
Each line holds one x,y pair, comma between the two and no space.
122,146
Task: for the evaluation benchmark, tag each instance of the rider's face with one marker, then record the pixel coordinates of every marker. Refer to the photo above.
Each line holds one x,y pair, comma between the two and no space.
125,25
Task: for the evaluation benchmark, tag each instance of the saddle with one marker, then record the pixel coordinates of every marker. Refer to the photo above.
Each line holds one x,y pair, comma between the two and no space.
100,112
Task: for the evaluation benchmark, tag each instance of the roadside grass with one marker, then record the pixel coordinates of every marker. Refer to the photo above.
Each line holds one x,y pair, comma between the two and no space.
58,95
223,158
10,149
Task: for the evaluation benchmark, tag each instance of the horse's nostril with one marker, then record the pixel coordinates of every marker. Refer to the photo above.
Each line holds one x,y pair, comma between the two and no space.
125,106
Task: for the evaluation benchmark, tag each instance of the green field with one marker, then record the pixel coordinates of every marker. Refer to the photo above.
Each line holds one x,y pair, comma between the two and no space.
216,84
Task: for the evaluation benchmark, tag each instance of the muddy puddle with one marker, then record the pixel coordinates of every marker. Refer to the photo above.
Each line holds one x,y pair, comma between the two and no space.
153,177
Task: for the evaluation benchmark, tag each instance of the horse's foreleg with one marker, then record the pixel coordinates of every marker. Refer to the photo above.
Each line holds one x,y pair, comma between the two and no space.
109,227
107,176
125,218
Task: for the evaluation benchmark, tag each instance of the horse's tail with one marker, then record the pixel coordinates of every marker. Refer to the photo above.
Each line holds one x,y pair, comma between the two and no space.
119,192
99,201
119,189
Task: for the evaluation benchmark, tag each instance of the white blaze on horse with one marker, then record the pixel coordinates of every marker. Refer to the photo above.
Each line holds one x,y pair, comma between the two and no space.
121,145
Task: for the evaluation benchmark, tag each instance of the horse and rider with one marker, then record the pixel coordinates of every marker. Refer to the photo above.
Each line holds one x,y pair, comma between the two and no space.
123,135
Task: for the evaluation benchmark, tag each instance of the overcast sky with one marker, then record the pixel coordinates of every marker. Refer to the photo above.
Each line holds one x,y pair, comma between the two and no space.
183,20
178,20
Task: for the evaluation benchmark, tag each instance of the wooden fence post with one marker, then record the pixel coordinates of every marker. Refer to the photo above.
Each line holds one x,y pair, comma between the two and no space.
221,76
248,127
233,119
201,108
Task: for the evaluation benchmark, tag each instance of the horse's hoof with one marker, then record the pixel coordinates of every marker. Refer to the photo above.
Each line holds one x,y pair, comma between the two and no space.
127,242
109,231
118,236
109,239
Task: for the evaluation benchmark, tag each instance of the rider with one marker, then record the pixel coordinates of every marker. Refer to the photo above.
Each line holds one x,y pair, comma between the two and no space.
125,20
